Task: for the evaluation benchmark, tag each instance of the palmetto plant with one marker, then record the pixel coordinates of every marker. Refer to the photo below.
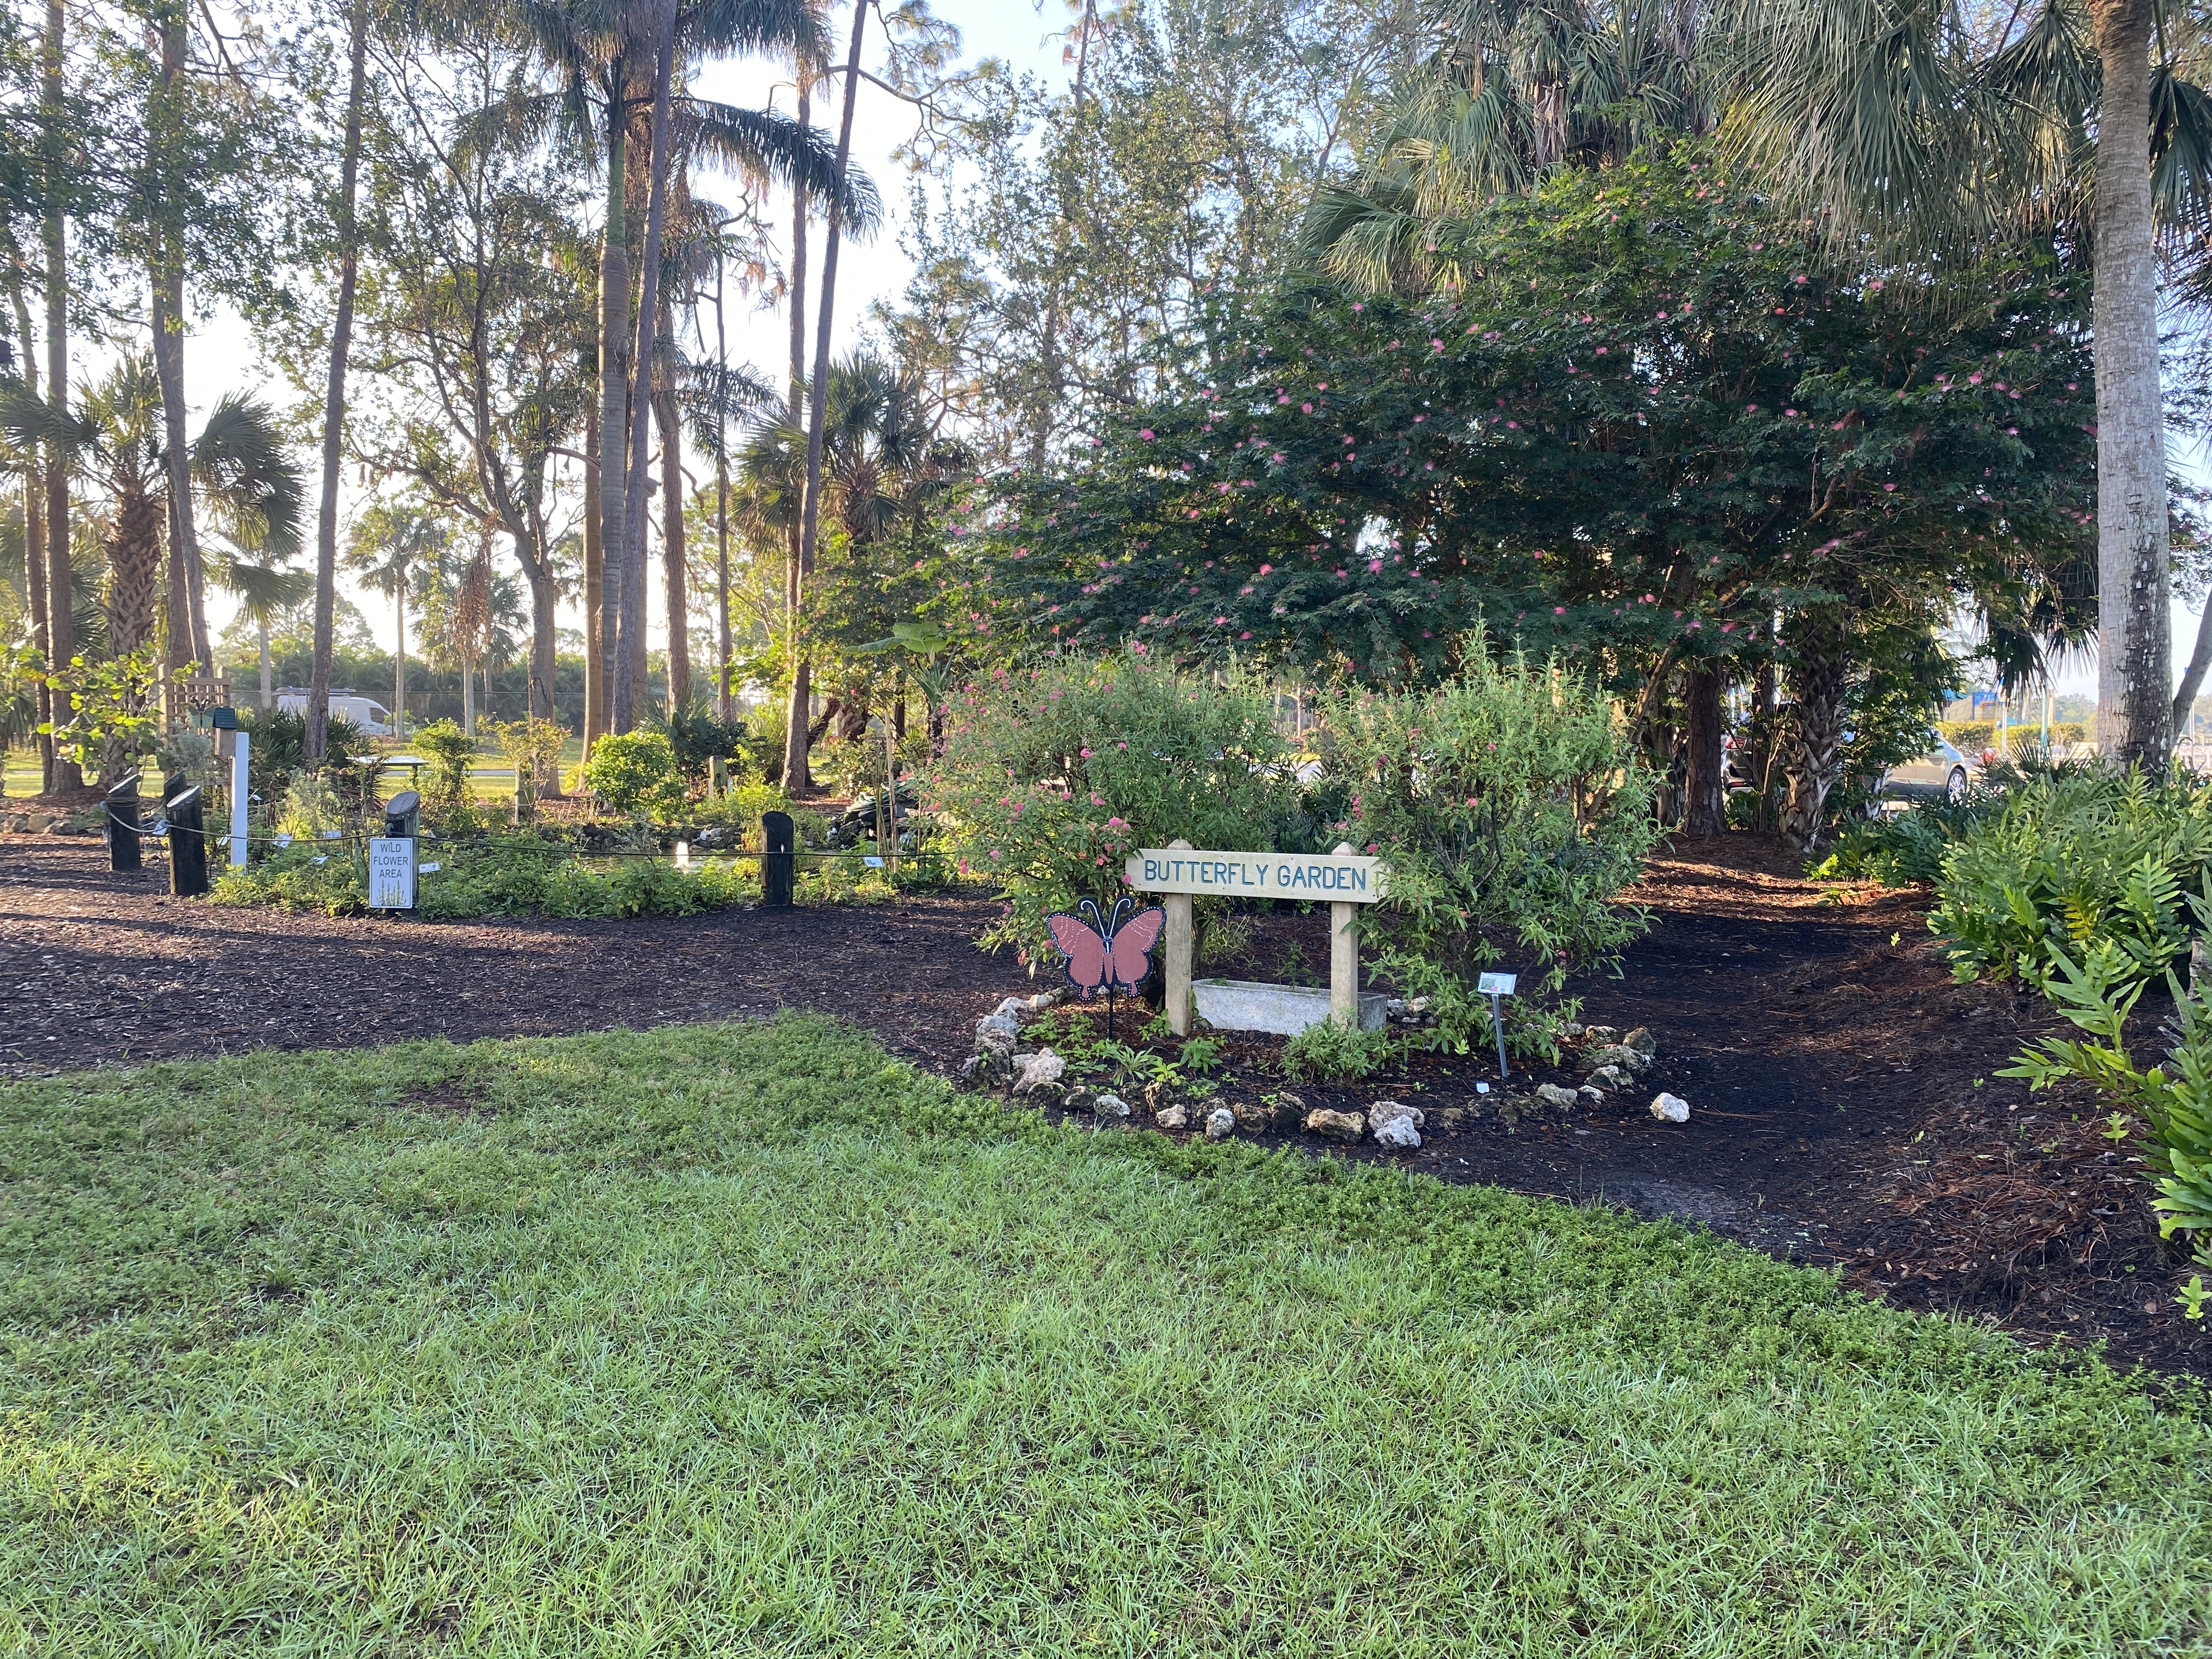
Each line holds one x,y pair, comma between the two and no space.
1507,89
246,484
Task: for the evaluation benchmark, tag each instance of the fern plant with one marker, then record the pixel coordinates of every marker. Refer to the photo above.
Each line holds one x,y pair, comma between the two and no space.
2170,1105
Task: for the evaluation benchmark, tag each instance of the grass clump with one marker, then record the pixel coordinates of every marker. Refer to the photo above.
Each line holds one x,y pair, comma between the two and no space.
744,1339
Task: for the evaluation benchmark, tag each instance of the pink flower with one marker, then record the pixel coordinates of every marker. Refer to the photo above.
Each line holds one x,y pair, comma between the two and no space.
1266,569
1559,610
1086,754
1306,409
1146,434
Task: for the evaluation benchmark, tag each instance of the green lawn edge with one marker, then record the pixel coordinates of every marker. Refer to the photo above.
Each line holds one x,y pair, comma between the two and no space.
1478,1415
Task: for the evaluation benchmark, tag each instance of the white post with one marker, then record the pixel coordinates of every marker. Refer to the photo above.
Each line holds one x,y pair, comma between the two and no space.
1344,958
239,772
1179,934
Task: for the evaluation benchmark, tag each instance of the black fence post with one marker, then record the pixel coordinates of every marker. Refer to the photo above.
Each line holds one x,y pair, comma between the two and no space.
122,826
188,876
777,867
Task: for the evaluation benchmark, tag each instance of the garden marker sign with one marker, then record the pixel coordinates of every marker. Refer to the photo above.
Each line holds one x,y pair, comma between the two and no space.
1344,878
392,872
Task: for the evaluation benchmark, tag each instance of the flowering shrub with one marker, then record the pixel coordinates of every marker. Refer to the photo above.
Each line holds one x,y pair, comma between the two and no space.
1510,813
1050,776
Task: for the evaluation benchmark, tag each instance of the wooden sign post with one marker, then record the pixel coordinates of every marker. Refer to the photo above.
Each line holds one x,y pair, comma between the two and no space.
1345,879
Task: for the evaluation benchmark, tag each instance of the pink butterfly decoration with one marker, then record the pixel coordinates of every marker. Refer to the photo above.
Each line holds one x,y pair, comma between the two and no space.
1113,951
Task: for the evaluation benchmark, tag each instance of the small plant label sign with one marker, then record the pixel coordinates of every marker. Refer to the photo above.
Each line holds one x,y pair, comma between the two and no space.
392,872
1496,985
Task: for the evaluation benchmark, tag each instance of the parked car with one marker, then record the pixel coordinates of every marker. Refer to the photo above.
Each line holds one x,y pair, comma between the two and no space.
1943,768
370,715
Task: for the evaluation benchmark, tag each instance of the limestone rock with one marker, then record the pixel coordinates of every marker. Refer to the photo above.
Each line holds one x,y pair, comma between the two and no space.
1110,1106
1610,1077
1398,1134
987,1069
1335,1126
1174,1115
1289,1112
1033,1072
1621,1055
1600,1035
1079,1097
997,1032
1220,1123
1670,1109
1642,1040
1389,1111
1553,1095
1590,1094
1010,1008
1253,1115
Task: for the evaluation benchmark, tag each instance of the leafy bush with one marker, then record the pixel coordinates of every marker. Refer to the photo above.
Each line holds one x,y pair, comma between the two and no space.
532,747
449,749
635,772
1508,808
695,737
1904,847
1051,775
746,804
2072,855
1330,1053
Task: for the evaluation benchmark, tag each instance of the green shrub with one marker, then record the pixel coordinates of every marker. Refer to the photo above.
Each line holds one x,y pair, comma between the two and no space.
1052,776
1330,1053
635,772
449,750
1508,808
2074,855
1902,846
503,875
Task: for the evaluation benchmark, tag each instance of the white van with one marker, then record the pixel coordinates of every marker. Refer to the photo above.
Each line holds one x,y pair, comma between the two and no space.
371,716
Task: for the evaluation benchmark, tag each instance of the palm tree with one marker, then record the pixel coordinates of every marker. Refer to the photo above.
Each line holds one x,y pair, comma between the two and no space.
1914,129
265,592
247,484
390,541
1507,90
622,75
877,456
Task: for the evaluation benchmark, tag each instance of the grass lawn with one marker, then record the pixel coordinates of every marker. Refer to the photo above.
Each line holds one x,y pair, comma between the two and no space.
742,1339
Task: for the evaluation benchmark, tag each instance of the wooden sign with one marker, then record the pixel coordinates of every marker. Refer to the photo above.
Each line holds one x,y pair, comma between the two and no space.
1344,878
1338,877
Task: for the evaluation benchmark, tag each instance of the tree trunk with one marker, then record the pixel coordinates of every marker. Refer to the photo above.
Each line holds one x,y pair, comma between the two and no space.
545,656
675,572
61,600
724,697
614,407
134,567
1819,684
1706,807
595,641
644,356
166,282
268,668
468,699
825,314
796,778
399,660
316,738
34,551
2135,691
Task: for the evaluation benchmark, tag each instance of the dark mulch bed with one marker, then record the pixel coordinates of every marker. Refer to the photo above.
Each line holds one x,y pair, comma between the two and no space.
1846,1108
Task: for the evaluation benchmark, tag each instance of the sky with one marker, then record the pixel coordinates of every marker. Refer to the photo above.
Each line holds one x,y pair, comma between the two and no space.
221,355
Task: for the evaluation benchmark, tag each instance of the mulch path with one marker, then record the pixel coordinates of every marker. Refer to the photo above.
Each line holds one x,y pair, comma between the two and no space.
1845,1107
